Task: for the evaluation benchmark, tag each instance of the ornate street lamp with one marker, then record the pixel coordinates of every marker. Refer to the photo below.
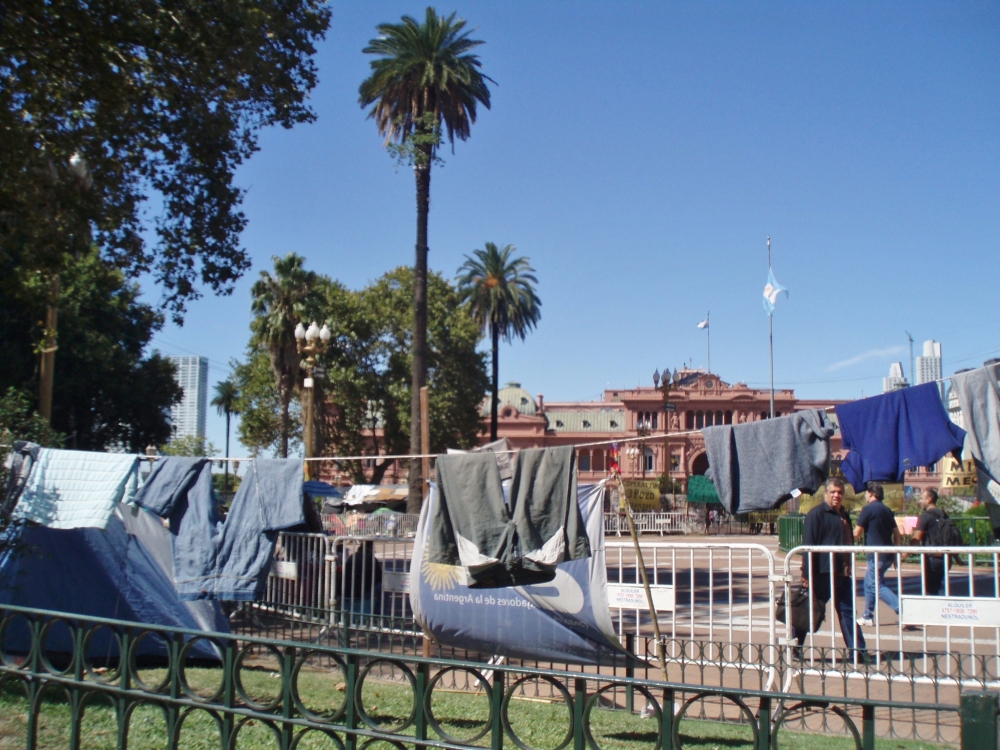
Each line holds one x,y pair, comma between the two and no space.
310,342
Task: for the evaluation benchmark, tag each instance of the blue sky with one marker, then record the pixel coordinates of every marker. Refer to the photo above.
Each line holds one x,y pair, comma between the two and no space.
640,154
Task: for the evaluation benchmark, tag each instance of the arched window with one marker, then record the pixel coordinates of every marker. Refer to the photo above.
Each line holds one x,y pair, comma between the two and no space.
689,420
583,462
649,460
699,419
708,419
728,418
597,461
718,417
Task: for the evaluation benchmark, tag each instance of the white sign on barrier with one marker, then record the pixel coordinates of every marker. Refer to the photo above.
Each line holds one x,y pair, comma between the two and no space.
622,596
284,569
949,610
395,583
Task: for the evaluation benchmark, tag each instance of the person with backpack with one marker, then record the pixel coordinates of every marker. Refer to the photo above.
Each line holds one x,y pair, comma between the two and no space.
934,529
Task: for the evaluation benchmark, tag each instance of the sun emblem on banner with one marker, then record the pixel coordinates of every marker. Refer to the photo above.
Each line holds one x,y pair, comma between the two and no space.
441,576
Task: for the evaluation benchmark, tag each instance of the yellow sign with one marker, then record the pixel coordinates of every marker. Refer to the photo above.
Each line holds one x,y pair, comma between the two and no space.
641,495
957,474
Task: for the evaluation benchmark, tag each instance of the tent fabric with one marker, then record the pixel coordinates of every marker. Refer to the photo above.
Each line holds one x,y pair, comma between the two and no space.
103,573
701,490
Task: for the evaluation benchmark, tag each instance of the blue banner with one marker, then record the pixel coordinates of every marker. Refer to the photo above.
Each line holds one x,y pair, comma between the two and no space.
566,620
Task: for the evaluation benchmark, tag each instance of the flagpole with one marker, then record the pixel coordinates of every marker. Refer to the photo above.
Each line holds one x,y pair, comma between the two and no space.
708,328
770,330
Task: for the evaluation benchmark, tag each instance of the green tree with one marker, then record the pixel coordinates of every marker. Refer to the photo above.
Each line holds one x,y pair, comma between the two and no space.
109,393
501,293
259,405
279,303
189,445
19,422
225,401
103,105
425,76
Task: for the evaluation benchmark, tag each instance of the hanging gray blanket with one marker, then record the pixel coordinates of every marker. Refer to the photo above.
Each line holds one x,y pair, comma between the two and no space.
501,543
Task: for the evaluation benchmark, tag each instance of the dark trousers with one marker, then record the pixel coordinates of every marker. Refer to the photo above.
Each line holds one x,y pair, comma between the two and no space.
934,571
843,603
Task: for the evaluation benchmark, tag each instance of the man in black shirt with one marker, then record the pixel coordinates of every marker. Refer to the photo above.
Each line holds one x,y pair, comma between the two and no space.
878,524
934,567
823,573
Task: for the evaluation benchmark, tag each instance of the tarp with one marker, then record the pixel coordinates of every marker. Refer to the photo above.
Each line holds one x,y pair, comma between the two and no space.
120,572
316,488
701,490
566,620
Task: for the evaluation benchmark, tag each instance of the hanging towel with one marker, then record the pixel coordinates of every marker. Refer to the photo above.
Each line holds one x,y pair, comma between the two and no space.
755,466
889,434
18,465
215,559
501,544
76,489
979,396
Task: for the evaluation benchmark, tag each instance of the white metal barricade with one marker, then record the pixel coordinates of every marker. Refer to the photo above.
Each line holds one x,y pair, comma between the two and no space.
645,523
300,575
947,628
371,524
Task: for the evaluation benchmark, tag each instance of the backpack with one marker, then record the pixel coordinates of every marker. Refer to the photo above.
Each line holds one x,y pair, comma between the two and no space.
944,533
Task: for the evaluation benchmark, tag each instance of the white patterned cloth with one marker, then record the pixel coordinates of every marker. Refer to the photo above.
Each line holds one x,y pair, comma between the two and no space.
77,489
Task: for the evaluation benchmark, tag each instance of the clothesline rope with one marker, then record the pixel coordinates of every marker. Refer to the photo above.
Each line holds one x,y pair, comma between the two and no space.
403,457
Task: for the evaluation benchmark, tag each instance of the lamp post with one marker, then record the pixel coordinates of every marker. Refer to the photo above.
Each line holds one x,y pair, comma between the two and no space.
310,342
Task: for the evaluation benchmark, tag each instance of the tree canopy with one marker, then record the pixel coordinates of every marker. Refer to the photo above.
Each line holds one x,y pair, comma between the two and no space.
108,393
105,105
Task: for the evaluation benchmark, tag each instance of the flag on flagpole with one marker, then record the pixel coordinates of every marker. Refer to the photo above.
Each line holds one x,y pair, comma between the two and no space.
703,324
771,291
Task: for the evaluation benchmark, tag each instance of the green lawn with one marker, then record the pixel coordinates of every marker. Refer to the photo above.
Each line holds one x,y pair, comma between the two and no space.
462,715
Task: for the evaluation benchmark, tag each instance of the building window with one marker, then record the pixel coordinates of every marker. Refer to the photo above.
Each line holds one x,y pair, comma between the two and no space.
689,420
584,461
709,421
613,424
699,420
559,423
728,418
648,460
598,461
718,417
586,423
655,415
675,462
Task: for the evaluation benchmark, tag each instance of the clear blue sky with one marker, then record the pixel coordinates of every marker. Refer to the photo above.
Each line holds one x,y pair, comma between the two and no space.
639,154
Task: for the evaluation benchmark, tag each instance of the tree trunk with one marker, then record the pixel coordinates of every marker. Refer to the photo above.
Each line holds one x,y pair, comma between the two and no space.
284,423
415,480
225,481
494,406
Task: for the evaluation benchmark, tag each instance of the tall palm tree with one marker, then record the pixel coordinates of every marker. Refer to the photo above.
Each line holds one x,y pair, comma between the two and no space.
501,293
425,76
279,302
225,402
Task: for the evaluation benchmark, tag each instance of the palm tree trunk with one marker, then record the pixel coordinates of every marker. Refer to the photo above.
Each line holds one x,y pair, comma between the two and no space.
225,481
415,480
284,424
494,406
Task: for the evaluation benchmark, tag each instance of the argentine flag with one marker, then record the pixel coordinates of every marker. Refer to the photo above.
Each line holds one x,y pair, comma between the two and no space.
771,291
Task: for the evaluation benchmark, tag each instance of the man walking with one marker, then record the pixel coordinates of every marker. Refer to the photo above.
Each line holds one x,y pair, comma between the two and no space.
934,568
878,524
826,574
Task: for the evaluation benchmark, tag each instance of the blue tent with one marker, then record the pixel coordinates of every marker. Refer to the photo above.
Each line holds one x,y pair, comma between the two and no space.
122,572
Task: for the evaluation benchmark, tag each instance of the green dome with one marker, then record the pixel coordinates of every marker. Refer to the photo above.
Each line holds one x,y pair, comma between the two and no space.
512,394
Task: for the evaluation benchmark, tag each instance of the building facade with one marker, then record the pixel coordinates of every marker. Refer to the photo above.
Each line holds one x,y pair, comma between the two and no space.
928,365
188,416
668,423
896,379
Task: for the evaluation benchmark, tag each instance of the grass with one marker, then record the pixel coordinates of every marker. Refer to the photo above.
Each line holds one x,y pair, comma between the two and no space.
461,714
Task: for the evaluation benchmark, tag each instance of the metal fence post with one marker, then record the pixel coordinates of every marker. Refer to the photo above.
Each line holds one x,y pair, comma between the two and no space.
764,724
496,710
979,720
868,727
630,672
350,708
579,704
667,723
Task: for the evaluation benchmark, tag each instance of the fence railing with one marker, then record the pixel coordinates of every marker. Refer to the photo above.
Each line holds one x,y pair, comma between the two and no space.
977,531
291,695
371,524
616,524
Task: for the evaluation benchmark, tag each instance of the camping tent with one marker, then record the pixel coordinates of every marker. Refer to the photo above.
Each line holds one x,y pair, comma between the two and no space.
123,571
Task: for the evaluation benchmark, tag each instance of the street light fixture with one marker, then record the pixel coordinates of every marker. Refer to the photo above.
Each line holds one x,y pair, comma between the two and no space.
310,342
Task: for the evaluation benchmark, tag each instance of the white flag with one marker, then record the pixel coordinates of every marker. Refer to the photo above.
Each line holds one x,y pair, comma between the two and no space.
703,324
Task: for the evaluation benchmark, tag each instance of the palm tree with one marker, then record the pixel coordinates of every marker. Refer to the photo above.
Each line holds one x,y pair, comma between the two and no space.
225,402
279,302
425,76
501,293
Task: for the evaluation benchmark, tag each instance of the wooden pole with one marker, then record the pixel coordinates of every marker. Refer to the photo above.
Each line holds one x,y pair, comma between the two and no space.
48,364
425,435
645,578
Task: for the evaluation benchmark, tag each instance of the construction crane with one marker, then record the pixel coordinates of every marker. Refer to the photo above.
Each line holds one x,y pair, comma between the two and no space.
909,338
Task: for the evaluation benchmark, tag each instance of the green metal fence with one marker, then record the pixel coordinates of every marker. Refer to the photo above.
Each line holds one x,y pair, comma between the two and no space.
293,696
790,531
